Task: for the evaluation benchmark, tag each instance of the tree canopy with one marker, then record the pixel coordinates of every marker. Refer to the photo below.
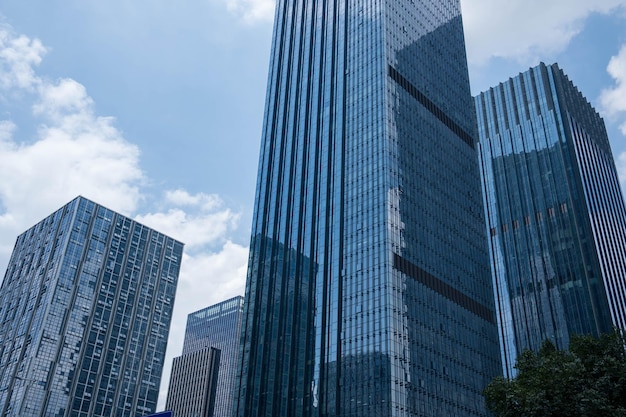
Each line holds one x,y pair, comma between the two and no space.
587,380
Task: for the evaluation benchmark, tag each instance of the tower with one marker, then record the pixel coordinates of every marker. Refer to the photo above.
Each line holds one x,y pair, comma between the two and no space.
555,212
212,335
193,383
85,310
368,290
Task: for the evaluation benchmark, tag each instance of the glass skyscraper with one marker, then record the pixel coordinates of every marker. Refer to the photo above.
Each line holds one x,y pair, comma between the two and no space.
85,310
217,327
556,215
369,290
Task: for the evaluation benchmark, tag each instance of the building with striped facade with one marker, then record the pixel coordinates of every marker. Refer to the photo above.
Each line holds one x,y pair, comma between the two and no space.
193,382
555,212
368,289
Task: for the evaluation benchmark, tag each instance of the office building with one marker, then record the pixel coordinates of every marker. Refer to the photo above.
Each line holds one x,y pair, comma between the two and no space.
556,215
193,382
369,290
196,388
85,310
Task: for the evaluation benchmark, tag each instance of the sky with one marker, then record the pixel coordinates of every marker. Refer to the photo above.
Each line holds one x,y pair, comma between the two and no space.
154,109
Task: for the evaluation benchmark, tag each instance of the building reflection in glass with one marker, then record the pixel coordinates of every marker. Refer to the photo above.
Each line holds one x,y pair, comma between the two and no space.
368,291
556,215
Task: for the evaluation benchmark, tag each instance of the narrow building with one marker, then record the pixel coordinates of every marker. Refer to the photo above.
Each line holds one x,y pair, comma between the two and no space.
193,382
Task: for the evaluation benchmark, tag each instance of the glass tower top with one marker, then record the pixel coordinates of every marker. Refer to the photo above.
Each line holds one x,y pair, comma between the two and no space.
368,291
556,215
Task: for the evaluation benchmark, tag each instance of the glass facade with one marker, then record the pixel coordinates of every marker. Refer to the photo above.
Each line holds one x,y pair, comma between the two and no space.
368,290
218,327
85,310
556,215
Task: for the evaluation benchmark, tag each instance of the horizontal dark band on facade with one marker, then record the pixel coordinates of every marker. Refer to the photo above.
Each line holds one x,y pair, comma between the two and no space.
442,288
431,107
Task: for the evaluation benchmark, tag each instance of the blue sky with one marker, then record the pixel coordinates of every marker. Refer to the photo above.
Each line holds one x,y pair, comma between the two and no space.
154,109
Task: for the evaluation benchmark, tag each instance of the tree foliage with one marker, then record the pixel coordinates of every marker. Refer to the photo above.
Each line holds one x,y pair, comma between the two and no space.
588,380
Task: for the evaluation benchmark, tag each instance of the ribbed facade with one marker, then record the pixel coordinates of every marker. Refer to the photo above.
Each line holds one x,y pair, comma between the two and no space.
193,383
85,310
368,290
555,210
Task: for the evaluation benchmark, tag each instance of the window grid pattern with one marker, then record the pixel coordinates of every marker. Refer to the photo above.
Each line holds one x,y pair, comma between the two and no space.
90,337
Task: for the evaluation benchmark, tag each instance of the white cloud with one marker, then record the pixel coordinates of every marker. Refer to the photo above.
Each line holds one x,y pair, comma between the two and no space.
18,56
65,98
6,130
73,152
183,198
204,221
250,11
525,29
613,100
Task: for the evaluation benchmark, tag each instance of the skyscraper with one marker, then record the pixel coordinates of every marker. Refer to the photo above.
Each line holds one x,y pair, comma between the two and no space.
555,212
368,290
193,383
217,327
85,310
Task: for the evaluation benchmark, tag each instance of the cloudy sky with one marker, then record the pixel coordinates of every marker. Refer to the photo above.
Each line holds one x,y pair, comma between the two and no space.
154,109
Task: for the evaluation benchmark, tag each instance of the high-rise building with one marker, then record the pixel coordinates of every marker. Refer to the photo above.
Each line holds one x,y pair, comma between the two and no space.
556,215
193,383
85,310
369,290
217,327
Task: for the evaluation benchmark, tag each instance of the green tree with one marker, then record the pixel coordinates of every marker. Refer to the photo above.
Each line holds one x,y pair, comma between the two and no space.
588,380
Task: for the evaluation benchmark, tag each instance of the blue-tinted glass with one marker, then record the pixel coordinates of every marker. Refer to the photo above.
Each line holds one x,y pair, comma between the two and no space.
556,216
368,290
